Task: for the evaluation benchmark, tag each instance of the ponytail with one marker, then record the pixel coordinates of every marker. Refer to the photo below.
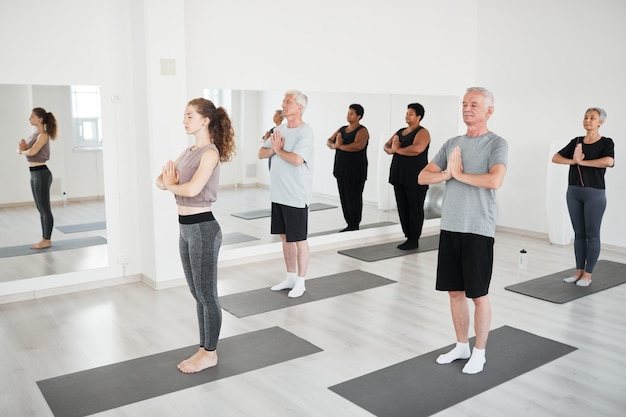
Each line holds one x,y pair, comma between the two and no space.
220,127
222,134
48,120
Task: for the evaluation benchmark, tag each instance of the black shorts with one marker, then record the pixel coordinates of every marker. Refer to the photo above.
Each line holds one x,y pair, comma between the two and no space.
465,263
290,221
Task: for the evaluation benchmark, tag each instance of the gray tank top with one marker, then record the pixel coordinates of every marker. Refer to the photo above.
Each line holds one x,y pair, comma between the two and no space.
44,153
187,167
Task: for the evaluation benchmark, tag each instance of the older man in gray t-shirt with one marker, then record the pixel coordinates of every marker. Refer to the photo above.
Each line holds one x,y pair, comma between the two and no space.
473,167
467,208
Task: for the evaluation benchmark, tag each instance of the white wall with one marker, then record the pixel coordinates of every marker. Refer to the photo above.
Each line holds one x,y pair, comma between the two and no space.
547,62
393,47
15,107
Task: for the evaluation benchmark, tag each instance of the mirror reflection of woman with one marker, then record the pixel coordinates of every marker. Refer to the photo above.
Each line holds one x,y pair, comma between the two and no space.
409,147
194,179
588,157
37,152
350,168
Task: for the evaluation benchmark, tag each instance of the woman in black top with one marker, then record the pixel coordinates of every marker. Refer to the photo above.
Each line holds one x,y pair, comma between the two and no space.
409,147
588,157
350,169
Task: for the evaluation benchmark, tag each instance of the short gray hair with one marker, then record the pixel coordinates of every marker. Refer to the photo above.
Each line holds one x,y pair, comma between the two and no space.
600,111
488,95
300,97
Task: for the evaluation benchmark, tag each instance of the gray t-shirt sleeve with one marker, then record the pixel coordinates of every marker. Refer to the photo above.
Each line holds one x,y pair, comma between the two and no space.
441,157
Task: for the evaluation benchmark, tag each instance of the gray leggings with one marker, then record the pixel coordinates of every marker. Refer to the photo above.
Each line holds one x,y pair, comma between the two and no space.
199,245
40,182
586,207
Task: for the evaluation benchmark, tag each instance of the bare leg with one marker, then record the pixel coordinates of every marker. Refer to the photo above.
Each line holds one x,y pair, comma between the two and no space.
482,320
460,319
199,361
302,257
290,253
460,315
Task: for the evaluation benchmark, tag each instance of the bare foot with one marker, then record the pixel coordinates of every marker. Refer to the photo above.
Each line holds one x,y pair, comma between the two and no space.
42,244
199,361
191,358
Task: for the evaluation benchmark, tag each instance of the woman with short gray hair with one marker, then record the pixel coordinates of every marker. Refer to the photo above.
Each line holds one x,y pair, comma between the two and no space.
588,157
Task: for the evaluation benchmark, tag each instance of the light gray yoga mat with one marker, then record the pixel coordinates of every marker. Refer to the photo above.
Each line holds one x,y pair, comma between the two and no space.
551,288
99,389
56,246
361,227
82,227
236,237
421,387
389,250
257,214
263,300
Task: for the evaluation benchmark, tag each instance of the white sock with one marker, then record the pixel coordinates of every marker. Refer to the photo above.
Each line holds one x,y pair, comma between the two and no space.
460,351
287,284
476,362
298,288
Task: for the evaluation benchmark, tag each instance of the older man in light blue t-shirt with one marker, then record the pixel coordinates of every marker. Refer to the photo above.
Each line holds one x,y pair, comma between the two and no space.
290,149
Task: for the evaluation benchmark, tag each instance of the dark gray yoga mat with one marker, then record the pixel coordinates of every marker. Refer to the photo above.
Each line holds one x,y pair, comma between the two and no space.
389,250
82,227
421,387
257,214
361,227
263,300
99,389
56,246
236,237
551,288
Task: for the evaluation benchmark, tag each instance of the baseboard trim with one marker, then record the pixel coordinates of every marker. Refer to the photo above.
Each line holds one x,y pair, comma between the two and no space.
67,289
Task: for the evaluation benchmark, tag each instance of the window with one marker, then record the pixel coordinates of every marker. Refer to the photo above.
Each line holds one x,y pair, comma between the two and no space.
221,98
86,117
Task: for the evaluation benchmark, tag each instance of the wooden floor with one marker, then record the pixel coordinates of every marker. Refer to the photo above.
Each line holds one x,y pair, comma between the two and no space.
359,333
20,226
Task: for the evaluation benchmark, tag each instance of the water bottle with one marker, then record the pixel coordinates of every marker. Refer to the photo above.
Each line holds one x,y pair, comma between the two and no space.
64,199
523,259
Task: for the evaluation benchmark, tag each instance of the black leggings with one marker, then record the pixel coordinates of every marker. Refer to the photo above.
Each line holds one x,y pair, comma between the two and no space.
40,182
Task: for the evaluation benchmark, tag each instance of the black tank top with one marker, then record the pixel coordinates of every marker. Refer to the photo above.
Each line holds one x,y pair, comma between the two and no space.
350,164
405,169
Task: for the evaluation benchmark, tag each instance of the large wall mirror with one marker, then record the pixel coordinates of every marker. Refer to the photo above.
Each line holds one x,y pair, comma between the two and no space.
77,192
245,180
